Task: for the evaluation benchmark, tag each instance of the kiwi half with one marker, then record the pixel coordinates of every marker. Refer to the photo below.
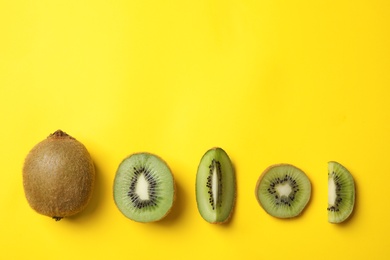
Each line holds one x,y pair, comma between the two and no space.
144,188
283,190
215,186
58,176
341,193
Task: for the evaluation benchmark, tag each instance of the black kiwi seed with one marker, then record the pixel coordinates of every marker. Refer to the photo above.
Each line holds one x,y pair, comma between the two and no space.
217,166
286,200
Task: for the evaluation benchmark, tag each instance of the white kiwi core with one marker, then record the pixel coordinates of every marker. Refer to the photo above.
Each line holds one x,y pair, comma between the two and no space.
142,187
283,189
331,192
214,186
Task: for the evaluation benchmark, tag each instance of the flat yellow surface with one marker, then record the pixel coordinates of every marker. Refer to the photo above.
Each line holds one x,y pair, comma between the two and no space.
301,82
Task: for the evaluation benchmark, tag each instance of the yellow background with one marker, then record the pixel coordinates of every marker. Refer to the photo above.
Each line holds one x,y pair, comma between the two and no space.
300,82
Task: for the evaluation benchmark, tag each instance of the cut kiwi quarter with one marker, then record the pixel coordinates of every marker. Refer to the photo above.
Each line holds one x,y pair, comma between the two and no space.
283,190
341,193
144,188
215,186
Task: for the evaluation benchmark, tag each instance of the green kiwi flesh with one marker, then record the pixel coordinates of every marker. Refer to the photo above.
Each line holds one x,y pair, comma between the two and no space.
283,190
215,186
341,193
144,188
58,176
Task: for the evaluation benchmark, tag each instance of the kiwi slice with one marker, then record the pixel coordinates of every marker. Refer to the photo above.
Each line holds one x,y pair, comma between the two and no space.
58,176
215,186
341,193
283,190
144,188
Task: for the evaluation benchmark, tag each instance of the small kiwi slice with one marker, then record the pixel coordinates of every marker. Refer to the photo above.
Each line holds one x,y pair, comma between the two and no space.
341,193
283,190
215,186
58,176
144,188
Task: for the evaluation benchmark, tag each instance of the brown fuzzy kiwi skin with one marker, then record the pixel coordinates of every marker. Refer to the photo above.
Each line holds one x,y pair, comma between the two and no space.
58,176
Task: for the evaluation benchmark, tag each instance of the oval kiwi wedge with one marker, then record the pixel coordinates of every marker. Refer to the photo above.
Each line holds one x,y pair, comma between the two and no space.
283,190
215,186
341,193
144,188
58,176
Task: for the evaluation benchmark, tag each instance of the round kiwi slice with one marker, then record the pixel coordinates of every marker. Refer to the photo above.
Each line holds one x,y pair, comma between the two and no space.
215,186
144,188
58,176
283,190
341,193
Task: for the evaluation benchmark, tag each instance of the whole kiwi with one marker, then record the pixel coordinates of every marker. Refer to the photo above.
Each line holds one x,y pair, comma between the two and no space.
58,176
